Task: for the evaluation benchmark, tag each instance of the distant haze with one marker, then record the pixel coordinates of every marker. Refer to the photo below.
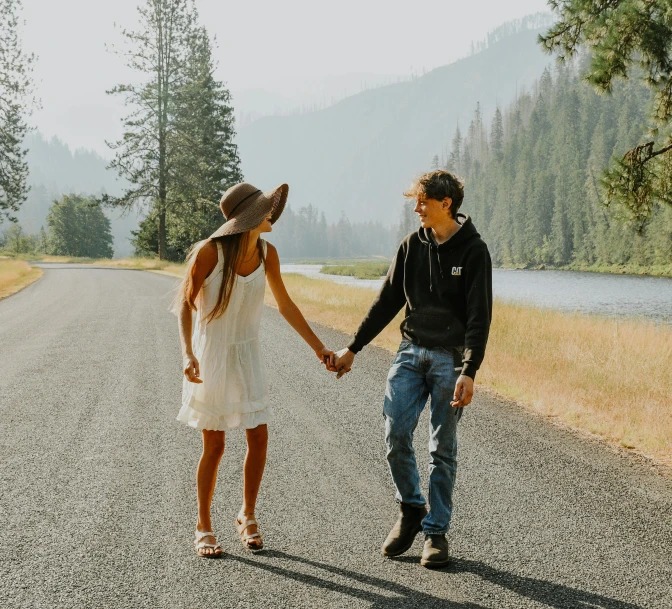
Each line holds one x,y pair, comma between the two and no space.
275,56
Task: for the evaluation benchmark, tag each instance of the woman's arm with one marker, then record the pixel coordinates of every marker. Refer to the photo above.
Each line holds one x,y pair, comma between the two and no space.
290,311
206,260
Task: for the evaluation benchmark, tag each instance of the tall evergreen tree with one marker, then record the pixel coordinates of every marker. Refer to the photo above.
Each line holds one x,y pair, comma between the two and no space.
172,55
497,135
455,158
15,104
204,161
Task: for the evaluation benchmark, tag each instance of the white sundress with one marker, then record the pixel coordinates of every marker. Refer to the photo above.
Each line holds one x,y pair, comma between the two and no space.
234,391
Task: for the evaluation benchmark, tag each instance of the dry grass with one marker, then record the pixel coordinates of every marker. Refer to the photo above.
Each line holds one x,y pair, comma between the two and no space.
337,306
16,275
609,378
144,264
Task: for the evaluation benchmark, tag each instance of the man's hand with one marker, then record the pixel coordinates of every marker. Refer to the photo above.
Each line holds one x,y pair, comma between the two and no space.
464,391
191,369
327,357
344,359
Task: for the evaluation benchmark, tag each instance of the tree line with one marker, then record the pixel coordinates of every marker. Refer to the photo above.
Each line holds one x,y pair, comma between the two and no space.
533,178
76,227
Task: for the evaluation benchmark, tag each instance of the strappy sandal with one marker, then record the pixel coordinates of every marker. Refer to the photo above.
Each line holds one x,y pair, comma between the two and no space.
246,538
201,545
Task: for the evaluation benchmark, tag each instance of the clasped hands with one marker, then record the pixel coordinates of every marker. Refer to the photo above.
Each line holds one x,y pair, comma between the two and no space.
339,362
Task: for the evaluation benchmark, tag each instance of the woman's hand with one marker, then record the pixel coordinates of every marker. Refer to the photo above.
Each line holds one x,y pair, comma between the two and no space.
327,357
191,368
344,359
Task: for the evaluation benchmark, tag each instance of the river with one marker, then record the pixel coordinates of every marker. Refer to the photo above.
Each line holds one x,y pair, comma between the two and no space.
595,293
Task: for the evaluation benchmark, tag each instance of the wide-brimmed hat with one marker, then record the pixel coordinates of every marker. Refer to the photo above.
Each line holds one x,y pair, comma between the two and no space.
245,206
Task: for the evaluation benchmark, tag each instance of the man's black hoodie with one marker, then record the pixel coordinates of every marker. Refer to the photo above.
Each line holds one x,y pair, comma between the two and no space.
447,290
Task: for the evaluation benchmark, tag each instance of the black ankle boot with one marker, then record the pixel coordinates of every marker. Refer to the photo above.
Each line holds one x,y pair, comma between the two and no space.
435,552
403,533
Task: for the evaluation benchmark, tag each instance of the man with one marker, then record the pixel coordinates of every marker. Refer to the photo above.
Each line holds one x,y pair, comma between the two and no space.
443,275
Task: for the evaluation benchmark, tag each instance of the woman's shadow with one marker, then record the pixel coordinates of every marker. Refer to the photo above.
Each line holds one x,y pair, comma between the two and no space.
549,593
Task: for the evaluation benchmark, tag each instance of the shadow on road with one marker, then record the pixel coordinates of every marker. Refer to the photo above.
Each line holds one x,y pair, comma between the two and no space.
407,597
548,593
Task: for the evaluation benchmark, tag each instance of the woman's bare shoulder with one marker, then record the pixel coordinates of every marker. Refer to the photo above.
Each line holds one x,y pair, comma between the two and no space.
207,256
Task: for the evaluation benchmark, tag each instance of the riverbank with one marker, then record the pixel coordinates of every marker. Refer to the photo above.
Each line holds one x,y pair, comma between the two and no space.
16,275
661,270
603,377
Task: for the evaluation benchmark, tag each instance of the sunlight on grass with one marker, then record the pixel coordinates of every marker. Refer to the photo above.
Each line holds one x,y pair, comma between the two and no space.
16,275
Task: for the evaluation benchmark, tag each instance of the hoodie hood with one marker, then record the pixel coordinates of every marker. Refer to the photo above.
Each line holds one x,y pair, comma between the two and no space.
468,231
464,234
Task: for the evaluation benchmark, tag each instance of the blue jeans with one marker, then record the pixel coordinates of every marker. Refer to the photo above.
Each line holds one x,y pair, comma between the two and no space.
416,374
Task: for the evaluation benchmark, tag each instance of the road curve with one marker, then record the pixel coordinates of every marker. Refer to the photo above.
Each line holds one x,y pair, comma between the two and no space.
97,479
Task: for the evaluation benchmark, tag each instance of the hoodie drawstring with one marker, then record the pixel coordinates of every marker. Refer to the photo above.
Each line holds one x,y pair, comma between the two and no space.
431,284
431,275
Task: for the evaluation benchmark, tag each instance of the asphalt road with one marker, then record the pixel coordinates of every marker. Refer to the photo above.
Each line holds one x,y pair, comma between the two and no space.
97,490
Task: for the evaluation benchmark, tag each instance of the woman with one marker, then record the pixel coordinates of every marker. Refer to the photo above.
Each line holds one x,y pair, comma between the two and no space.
225,383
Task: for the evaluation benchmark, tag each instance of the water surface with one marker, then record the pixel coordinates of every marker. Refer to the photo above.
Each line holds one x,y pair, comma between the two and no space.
596,293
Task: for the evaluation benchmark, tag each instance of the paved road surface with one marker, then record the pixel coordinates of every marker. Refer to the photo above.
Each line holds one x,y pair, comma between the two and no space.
97,480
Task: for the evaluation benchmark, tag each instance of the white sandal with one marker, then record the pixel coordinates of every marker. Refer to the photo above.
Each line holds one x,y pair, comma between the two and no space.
201,545
245,538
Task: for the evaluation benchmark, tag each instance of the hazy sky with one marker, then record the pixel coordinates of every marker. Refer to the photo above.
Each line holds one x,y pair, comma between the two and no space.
293,49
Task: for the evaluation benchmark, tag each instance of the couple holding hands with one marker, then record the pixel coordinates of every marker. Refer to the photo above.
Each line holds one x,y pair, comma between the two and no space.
441,274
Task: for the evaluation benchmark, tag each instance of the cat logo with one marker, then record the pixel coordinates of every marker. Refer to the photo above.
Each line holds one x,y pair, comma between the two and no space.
457,270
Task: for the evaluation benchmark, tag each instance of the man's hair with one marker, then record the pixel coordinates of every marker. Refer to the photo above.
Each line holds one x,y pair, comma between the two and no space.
438,185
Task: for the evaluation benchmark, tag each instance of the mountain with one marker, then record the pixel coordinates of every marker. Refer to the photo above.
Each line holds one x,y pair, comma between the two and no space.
310,94
358,155
54,170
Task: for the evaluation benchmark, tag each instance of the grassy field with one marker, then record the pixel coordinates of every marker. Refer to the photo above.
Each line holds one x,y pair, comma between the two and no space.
361,270
16,275
603,377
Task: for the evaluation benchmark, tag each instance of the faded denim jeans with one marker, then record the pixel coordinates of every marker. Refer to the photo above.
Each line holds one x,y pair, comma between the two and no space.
416,374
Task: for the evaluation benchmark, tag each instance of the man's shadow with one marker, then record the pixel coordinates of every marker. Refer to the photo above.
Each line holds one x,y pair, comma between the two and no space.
542,591
554,595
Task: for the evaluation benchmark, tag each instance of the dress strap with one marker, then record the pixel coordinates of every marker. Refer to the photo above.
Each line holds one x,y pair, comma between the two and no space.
220,253
264,245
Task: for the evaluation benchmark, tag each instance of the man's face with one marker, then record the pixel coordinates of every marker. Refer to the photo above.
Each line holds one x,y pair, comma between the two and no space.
432,212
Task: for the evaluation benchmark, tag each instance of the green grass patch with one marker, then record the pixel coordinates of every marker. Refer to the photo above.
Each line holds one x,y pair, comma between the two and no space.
360,270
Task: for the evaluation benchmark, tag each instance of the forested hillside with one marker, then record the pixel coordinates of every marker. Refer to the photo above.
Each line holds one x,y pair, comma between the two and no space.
359,155
532,177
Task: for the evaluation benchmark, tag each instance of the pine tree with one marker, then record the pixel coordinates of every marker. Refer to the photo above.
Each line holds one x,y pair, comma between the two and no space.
15,104
618,36
145,156
204,157
455,158
497,136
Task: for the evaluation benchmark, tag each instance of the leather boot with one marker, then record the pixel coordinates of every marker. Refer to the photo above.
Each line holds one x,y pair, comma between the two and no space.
403,533
435,552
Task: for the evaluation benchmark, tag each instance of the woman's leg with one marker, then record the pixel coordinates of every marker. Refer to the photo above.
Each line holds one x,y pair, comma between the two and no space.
253,470
206,477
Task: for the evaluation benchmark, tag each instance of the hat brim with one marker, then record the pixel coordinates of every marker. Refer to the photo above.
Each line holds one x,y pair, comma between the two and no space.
271,201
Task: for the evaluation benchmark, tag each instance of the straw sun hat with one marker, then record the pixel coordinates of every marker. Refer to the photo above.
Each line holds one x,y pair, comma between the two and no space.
244,207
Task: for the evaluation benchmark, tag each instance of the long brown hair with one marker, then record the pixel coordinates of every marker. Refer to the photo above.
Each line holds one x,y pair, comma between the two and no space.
234,248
